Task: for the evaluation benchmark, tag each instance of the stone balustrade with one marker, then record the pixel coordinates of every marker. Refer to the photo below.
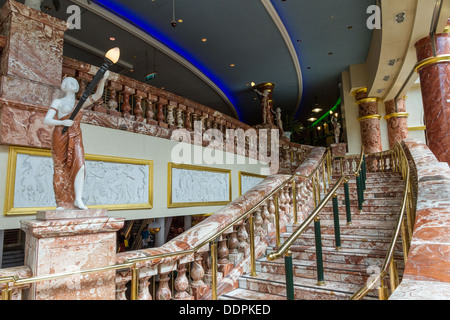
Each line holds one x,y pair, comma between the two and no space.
426,273
375,162
137,107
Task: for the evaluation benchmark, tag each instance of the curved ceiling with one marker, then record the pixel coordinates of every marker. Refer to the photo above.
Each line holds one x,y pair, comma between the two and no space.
300,45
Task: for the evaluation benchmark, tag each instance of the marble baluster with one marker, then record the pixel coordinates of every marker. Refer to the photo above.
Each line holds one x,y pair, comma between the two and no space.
160,117
122,278
144,290
126,106
182,284
188,119
198,286
164,292
149,113
138,111
180,122
170,119
112,102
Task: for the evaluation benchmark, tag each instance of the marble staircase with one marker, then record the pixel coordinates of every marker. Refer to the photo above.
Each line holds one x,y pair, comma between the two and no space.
364,244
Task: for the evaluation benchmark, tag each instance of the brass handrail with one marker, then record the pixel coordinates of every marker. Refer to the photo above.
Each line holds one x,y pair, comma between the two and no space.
361,159
388,260
287,244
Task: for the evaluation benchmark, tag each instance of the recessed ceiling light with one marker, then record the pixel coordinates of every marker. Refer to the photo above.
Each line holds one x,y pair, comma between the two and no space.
400,17
180,20
204,39
392,62
308,68
312,119
112,38
232,65
316,110
330,53
386,78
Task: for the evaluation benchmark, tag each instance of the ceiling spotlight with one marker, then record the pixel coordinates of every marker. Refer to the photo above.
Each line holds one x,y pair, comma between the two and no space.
180,20
316,110
112,38
392,62
252,84
232,65
400,17
204,39
312,119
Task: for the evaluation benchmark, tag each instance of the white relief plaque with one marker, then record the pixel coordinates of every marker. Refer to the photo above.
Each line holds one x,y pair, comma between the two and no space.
198,187
107,183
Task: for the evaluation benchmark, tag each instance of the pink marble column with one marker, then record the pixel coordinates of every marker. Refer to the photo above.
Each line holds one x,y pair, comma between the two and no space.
397,120
369,121
68,241
435,87
31,63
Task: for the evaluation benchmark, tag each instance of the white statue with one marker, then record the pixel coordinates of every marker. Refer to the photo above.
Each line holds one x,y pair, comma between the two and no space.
67,148
265,103
337,128
278,120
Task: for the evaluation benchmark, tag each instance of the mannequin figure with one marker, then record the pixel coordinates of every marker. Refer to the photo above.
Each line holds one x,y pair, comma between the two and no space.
67,148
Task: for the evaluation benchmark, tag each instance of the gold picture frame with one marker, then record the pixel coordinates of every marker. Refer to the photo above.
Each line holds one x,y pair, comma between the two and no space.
9,208
248,174
171,204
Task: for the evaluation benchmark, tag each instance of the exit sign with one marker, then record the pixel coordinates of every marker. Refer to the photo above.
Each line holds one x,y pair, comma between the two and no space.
150,76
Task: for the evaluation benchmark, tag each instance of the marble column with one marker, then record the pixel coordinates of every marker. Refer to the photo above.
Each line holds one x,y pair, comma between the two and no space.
369,121
397,120
31,63
434,71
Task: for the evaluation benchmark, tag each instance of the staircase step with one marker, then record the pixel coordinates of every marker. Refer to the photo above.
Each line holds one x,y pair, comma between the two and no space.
244,294
304,288
349,273
356,215
349,241
366,257
358,227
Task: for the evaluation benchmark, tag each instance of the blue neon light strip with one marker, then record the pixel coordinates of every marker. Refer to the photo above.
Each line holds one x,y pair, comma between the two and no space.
125,13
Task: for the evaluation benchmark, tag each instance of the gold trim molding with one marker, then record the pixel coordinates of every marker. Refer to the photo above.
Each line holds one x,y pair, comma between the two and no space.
11,175
364,100
355,92
419,128
171,204
431,61
370,116
397,115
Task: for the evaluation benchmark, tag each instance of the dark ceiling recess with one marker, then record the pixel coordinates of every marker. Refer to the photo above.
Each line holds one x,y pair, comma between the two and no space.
237,32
